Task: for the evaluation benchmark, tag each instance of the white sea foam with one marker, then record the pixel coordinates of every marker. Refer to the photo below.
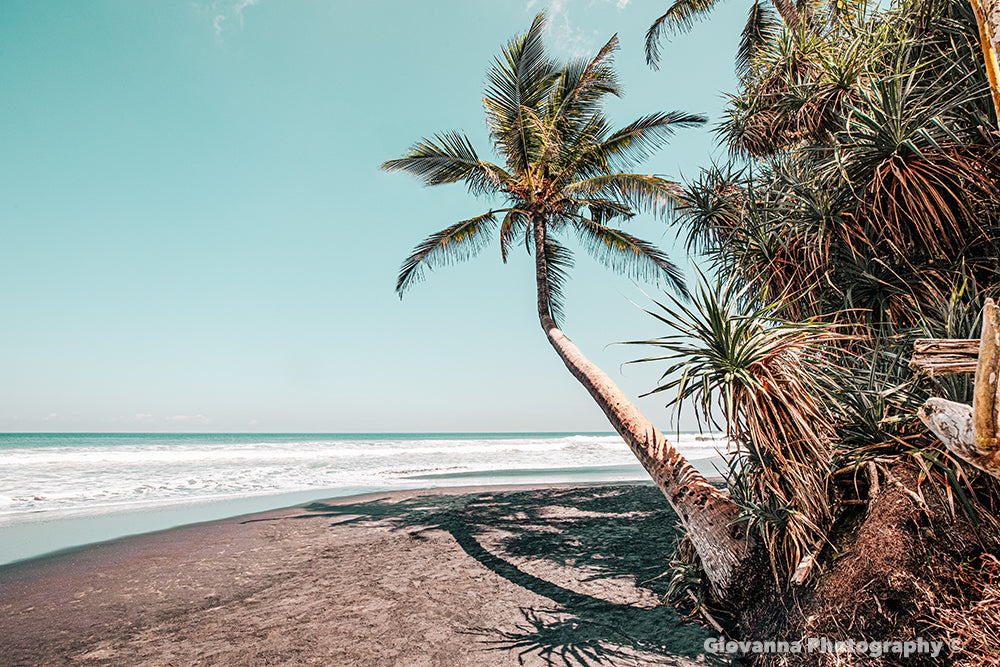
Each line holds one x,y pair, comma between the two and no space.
77,473
298,452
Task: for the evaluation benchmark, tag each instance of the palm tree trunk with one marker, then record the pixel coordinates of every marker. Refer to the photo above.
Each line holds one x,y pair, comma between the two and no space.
988,18
705,512
789,13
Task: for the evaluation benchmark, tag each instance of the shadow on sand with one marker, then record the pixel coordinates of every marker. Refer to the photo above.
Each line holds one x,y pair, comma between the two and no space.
607,531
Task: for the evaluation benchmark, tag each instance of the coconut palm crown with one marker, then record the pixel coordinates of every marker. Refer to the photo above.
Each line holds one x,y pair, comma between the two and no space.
563,169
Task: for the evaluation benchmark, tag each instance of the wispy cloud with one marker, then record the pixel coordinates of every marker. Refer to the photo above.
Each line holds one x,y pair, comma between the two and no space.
564,35
144,418
224,13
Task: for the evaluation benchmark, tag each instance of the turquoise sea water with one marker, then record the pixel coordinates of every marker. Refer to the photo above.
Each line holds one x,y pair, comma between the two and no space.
63,490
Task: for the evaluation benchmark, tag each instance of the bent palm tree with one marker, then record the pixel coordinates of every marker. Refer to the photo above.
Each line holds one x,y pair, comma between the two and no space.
564,169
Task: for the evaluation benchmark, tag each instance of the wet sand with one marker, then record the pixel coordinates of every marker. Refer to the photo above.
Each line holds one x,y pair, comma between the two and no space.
556,575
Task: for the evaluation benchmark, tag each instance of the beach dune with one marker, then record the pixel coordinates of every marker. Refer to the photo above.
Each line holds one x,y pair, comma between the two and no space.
468,576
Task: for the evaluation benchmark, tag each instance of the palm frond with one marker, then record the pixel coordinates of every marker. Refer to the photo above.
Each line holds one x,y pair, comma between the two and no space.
679,17
578,156
643,137
515,223
627,254
559,261
458,242
520,79
762,27
641,192
602,209
582,85
450,158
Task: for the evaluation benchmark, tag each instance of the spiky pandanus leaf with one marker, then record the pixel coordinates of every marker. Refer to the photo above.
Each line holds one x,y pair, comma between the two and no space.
921,183
710,206
872,183
759,378
753,129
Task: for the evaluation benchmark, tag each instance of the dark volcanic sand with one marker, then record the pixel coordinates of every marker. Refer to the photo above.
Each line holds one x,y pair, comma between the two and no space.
487,576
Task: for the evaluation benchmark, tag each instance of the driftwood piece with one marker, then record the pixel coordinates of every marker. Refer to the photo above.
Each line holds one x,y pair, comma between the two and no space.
873,487
940,356
803,569
970,432
953,424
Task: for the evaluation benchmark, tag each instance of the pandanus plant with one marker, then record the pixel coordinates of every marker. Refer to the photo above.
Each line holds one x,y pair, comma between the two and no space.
762,379
564,169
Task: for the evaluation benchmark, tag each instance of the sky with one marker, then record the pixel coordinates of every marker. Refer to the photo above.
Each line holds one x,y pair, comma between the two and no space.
196,235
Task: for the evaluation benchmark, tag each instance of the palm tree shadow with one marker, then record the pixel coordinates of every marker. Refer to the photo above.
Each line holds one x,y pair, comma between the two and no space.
559,637
608,532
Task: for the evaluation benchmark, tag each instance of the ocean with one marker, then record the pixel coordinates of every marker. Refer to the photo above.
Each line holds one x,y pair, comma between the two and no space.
63,490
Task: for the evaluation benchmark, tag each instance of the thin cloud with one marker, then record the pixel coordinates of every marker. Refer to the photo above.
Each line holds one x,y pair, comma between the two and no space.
225,12
564,35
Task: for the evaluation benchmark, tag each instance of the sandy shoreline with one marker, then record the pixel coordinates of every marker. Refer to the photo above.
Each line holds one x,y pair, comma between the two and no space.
458,576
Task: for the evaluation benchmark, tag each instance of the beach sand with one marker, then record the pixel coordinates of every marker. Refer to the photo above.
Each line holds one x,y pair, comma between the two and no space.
557,575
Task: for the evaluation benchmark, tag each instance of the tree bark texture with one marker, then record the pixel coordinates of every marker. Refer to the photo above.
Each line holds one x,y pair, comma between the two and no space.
984,392
988,18
706,513
971,433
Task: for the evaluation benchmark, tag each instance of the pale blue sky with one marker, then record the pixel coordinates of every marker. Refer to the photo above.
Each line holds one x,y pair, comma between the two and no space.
195,234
